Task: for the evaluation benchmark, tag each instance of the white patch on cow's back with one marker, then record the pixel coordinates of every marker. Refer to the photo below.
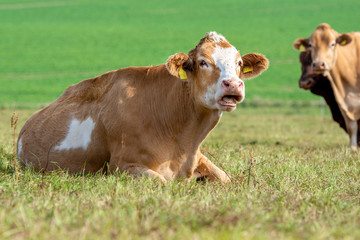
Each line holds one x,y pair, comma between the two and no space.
78,135
20,160
19,147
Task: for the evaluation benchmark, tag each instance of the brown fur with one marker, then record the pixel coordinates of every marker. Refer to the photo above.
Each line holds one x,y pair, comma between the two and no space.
342,68
147,122
256,62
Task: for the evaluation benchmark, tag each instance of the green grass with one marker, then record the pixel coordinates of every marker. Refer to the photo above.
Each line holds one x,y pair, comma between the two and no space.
48,45
304,184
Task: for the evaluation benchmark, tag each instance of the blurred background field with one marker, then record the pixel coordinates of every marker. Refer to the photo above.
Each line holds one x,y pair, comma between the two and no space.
47,45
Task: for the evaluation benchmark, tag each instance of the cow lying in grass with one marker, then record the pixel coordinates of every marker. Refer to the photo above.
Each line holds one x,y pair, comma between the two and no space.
143,120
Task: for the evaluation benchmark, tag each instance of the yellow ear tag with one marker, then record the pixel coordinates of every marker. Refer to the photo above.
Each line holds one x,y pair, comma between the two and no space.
302,48
247,69
182,73
343,42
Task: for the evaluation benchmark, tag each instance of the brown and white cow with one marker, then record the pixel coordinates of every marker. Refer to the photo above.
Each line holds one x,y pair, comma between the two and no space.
336,56
143,120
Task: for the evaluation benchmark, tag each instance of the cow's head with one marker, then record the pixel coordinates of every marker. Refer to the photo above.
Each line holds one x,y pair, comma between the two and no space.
323,44
215,71
308,79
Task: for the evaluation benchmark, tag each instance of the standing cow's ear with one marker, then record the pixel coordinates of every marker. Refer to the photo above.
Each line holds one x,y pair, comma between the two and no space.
253,65
179,65
344,39
301,44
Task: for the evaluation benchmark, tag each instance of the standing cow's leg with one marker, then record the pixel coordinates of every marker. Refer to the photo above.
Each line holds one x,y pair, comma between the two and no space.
352,127
209,170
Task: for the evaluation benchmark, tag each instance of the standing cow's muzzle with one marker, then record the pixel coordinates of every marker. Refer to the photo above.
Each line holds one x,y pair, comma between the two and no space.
319,67
233,93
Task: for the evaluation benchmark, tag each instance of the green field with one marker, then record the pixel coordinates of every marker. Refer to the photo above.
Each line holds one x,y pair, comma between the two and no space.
304,182
47,45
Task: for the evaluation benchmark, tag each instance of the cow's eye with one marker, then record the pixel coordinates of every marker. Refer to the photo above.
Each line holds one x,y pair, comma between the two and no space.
203,64
332,44
240,63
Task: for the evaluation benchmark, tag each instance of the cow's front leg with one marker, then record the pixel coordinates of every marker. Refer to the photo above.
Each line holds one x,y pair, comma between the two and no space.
352,127
207,169
145,171
138,170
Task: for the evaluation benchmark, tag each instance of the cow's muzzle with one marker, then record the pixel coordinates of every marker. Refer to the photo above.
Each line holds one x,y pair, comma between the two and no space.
306,83
233,93
319,67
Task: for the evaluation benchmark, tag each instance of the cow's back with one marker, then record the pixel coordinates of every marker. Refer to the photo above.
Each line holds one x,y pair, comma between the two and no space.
68,133
80,129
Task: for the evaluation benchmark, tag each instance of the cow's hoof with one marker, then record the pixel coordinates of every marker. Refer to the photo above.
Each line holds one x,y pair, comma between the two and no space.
354,148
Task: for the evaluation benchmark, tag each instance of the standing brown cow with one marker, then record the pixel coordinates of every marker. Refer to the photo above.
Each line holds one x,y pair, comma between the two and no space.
336,56
143,120
320,85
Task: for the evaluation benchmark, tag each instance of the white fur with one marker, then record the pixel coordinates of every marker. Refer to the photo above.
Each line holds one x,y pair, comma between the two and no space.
28,166
216,37
78,136
225,60
19,147
19,151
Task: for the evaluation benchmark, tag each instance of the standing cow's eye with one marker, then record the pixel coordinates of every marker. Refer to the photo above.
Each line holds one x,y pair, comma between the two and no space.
332,44
240,63
203,64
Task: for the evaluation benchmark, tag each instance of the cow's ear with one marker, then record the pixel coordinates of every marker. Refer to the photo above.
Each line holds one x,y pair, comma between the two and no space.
179,65
344,39
301,44
253,65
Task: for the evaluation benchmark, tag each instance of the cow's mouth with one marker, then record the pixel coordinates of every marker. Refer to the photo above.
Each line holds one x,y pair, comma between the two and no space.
229,101
319,71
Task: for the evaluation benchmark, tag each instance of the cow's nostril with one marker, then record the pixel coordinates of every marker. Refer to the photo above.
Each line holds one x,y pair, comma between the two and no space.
226,84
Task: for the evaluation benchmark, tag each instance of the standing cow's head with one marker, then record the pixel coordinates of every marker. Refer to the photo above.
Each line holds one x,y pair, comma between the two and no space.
309,80
323,44
215,71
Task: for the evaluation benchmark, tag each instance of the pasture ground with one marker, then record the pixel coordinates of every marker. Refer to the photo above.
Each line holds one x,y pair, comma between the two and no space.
303,184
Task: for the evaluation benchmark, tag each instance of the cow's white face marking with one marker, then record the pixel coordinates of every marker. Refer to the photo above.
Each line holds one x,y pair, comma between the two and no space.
226,59
78,135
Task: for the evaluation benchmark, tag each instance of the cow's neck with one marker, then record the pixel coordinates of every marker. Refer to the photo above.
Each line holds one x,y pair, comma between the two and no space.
344,79
345,73
174,111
